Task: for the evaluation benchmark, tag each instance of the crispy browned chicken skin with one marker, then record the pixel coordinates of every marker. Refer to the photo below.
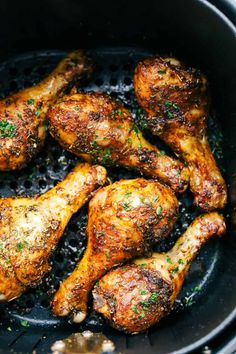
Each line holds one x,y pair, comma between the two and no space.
98,128
136,296
22,115
31,227
124,220
176,100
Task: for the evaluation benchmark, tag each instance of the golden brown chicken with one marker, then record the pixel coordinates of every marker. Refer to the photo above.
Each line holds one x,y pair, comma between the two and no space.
136,296
99,129
22,115
176,100
124,220
30,228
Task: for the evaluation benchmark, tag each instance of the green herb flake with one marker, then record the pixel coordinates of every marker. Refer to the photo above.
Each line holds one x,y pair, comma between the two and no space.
171,104
162,152
155,199
38,111
142,265
145,201
142,314
116,112
7,130
159,210
153,297
175,270
142,291
21,245
129,140
168,260
134,308
143,124
106,156
161,72
135,129
180,261
127,194
168,103
24,323
107,255
126,206
30,101
170,114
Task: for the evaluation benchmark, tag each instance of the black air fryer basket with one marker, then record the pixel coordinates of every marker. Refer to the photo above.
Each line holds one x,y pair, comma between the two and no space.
117,34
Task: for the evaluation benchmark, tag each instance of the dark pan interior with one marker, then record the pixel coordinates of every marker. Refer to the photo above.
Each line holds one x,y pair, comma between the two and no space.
121,33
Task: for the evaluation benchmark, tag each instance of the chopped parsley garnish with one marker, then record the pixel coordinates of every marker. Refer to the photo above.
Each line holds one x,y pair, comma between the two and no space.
38,111
24,323
162,152
181,261
106,156
117,112
171,104
127,194
107,255
126,206
135,129
134,308
153,297
145,201
170,114
7,130
129,140
142,265
155,199
30,101
142,291
161,72
168,260
159,210
175,270
21,245
142,314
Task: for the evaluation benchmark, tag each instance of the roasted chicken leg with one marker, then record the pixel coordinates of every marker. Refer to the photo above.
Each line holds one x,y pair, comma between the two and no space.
31,227
124,220
136,296
176,100
99,129
22,115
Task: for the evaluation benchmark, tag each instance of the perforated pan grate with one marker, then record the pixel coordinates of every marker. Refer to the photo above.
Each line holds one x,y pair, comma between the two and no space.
114,75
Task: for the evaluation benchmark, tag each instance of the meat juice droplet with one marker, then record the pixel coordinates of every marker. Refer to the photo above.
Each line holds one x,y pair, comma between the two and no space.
79,343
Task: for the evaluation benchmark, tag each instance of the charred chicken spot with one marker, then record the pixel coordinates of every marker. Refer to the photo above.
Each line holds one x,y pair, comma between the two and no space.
94,115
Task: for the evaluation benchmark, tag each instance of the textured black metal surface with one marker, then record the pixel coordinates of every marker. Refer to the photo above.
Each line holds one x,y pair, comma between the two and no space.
113,75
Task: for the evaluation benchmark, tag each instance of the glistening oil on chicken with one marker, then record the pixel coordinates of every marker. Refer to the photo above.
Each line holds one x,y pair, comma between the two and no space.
113,75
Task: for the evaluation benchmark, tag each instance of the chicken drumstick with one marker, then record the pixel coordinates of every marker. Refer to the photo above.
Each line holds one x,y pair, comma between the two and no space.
22,115
99,129
30,228
176,100
136,296
124,219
